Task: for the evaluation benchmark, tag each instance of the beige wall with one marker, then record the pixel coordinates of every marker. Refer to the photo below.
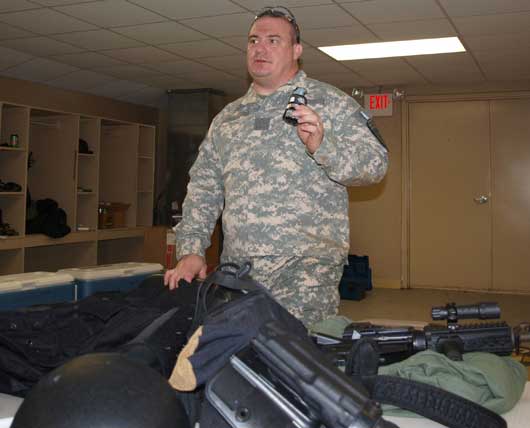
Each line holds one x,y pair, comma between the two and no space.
376,212
46,97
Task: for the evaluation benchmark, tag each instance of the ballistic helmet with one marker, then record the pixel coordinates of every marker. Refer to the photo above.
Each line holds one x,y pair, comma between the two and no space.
103,390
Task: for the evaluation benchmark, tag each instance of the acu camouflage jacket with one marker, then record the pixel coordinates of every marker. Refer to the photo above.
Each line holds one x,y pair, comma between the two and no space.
275,197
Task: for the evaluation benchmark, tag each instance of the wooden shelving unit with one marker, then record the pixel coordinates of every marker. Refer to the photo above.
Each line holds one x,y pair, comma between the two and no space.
119,167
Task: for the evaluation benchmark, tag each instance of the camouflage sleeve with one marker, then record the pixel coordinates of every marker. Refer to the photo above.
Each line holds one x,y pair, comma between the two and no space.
350,154
203,203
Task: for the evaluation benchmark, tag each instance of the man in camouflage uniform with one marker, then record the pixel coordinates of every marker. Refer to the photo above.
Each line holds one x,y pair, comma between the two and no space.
281,188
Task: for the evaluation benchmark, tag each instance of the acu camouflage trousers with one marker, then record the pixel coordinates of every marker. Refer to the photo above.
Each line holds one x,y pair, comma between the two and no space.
308,287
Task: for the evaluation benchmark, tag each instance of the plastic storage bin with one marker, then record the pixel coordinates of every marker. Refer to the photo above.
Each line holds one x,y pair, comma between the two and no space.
35,288
114,277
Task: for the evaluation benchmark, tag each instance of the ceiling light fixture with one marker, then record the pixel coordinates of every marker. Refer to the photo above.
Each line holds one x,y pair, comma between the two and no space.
394,49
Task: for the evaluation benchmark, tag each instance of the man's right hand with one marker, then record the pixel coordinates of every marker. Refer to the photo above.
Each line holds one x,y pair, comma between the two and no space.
188,268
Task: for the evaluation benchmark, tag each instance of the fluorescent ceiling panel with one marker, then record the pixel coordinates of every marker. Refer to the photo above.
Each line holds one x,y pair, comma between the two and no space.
394,49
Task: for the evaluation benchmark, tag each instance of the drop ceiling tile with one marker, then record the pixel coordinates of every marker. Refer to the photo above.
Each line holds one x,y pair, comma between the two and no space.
129,72
180,67
455,62
40,46
169,82
45,21
229,62
330,66
9,32
80,80
141,55
116,88
369,65
223,25
98,40
503,57
344,80
386,77
15,5
512,70
493,24
447,68
239,42
88,60
505,42
10,58
161,32
202,48
256,5
111,13
393,11
311,55
189,9
148,96
338,36
59,2
483,7
407,30
322,17
386,71
39,70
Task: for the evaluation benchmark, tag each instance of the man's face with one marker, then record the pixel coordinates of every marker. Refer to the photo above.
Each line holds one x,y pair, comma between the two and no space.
272,53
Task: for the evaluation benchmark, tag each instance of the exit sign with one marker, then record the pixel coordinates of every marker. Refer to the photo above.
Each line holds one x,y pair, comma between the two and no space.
378,104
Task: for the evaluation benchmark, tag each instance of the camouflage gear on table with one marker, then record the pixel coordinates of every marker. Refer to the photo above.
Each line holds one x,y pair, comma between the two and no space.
316,295
277,198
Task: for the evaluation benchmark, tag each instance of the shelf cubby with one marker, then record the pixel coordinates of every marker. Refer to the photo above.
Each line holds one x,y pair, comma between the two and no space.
13,167
118,172
13,208
53,141
11,261
146,144
15,120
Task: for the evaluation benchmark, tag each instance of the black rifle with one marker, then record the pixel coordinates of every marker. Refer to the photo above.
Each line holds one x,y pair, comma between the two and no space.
283,382
452,339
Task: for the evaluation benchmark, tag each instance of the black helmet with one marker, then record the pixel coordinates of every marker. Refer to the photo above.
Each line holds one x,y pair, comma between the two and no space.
104,390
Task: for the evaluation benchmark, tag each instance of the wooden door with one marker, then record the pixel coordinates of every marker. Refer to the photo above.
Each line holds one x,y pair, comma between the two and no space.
511,190
450,226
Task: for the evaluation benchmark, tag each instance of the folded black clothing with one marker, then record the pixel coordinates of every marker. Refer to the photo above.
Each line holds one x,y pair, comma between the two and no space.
10,186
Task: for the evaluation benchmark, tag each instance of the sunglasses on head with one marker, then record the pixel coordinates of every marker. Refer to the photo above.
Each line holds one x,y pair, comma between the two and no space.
280,12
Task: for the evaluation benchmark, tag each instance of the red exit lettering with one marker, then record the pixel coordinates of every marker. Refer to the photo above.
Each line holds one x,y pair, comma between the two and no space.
379,102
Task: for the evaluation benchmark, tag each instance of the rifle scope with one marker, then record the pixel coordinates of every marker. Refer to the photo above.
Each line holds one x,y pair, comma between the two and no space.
452,312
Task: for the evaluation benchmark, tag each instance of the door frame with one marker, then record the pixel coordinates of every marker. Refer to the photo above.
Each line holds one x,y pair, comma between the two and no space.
405,159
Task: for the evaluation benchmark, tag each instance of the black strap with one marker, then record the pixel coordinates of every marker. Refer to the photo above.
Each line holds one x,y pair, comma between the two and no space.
426,400
431,402
227,275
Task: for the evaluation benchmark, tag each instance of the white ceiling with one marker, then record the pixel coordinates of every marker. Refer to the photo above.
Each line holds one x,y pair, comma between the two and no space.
136,49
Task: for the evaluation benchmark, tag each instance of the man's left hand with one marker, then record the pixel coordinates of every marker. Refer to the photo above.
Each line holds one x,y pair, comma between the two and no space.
310,127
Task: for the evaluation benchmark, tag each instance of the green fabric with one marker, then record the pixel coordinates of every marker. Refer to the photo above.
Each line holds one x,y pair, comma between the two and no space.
333,326
496,383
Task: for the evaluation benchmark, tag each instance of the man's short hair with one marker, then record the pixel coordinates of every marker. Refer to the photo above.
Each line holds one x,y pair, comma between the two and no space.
281,12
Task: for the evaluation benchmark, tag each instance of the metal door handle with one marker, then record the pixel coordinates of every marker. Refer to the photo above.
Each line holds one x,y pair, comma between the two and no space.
482,199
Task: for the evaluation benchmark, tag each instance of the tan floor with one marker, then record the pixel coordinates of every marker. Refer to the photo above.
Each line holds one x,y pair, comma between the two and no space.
415,305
